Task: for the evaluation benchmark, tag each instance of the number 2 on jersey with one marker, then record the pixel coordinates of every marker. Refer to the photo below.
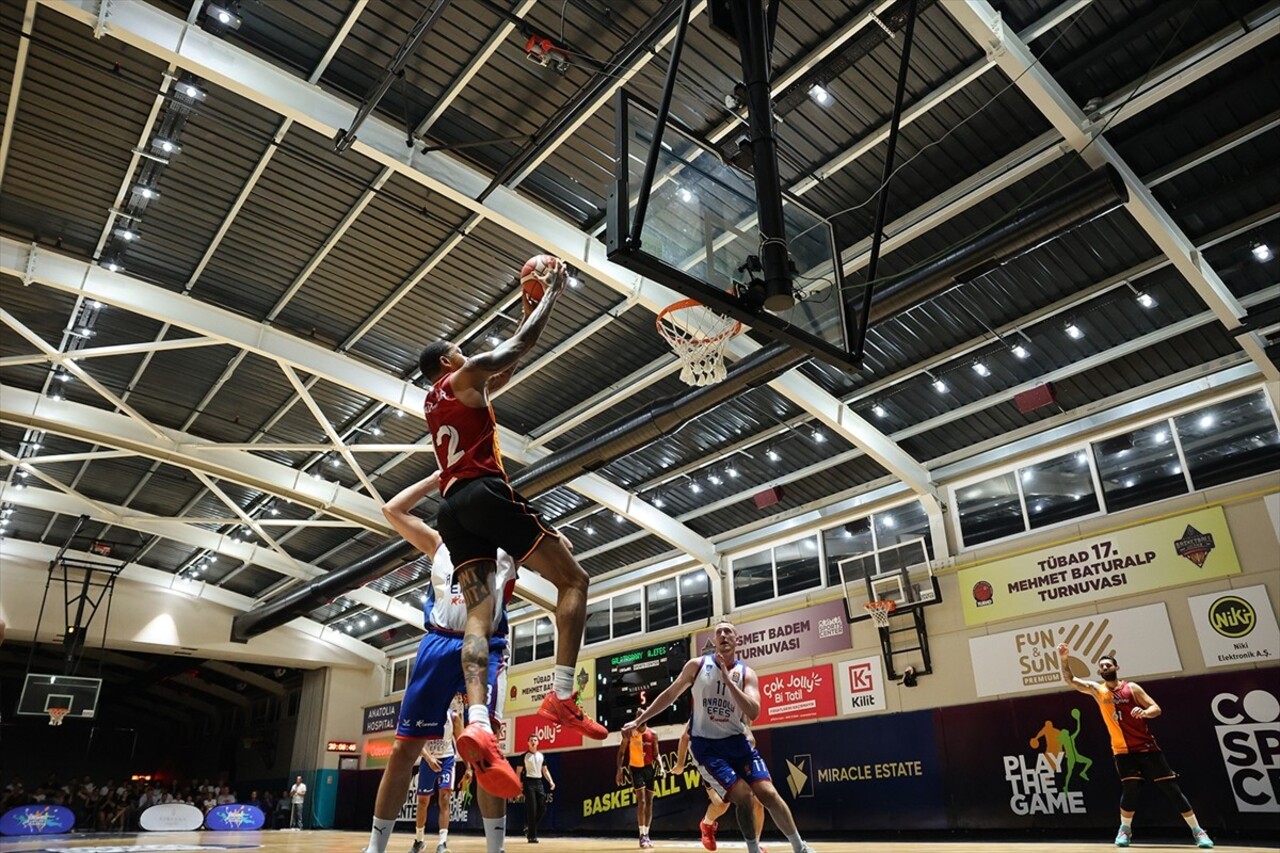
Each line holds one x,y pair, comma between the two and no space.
448,436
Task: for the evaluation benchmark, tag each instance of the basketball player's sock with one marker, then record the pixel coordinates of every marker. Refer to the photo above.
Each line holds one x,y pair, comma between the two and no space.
1127,820
1190,818
380,835
753,846
797,843
562,681
495,832
420,833
444,836
478,715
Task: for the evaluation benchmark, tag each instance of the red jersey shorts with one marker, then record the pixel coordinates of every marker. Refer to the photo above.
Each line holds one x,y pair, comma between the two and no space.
481,515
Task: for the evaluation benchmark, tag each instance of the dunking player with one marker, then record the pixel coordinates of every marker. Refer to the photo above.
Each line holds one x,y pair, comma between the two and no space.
437,676
716,806
1125,708
639,752
436,773
726,698
481,512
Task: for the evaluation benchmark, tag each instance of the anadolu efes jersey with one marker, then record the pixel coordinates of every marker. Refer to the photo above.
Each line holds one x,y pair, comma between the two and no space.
446,609
715,714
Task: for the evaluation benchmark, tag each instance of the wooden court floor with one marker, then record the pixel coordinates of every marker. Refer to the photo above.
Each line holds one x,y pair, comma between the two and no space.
322,841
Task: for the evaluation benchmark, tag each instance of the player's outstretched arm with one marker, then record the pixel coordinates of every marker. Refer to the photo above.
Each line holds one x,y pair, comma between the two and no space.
1064,654
412,529
1146,707
502,358
682,683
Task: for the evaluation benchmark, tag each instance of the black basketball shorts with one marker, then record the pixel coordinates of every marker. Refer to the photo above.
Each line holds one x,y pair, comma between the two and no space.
481,515
644,777
1144,765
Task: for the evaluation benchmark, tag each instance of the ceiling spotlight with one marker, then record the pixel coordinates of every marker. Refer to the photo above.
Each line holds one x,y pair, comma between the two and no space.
617,517
575,282
591,531
191,90
819,94
399,413
939,386
166,146
879,411
146,192
686,195
1206,421
494,340
714,478
1262,252
1021,352
819,436
732,471
887,522
225,16
694,487
1161,436
772,454
274,510
658,501
127,235
213,558
333,462
1146,300
112,265
347,627
981,369
62,375
1073,332
24,473
375,430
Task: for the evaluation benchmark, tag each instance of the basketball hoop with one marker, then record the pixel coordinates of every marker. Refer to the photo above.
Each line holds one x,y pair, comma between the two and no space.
880,611
698,336
56,715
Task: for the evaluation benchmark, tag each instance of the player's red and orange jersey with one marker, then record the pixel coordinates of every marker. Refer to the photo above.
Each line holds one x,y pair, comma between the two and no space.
642,748
1128,733
465,438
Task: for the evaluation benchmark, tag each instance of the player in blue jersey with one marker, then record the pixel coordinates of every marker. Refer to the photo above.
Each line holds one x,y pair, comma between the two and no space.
437,673
726,699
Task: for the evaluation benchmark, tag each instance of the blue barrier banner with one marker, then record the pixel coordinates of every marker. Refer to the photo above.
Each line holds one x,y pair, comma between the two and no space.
234,817
864,773
37,820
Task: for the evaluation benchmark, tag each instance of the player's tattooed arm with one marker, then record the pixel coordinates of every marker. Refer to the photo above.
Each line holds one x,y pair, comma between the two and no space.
475,586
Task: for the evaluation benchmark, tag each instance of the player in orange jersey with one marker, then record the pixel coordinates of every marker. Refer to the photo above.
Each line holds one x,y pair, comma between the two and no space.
1125,708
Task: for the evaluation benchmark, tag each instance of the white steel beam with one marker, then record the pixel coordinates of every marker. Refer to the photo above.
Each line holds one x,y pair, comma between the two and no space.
106,352
15,86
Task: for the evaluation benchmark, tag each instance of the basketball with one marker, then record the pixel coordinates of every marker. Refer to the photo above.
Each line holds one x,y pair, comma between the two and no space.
535,273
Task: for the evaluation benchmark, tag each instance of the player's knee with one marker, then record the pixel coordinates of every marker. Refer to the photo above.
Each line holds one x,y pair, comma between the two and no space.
1130,793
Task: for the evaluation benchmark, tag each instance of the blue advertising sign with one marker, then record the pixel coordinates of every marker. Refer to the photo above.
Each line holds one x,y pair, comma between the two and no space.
381,718
235,816
870,772
37,820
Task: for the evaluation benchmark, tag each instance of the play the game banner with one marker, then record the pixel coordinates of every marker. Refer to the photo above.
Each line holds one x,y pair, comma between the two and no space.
1168,552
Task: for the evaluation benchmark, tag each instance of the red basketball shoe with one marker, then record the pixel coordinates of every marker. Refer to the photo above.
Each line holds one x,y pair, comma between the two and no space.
479,748
708,834
567,713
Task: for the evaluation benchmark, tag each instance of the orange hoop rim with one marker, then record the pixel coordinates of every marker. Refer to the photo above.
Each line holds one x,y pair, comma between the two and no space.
887,605
682,304
56,715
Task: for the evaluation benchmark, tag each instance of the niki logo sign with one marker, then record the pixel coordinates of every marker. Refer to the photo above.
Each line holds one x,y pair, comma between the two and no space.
1236,627
1041,782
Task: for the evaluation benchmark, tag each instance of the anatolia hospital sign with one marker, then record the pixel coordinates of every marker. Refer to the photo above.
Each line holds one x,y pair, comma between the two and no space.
1167,552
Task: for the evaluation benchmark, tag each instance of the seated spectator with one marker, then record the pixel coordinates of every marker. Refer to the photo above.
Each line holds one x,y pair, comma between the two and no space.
210,802
225,797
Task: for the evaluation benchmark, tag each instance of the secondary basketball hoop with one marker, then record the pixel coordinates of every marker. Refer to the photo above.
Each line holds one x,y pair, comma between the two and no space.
56,715
880,611
698,336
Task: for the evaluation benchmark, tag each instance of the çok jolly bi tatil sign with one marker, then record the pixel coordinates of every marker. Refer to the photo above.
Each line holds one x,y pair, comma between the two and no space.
1186,548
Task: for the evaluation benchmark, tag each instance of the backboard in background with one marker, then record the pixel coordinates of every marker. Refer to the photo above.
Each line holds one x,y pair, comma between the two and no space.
41,692
900,573
699,232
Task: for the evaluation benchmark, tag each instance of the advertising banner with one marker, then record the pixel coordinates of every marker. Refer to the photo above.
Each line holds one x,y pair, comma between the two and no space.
171,817
551,735
797,694
526,689
587,800
1168,552
37,820
861,686
869,773
377,750
382,717
1236,626
1027,659
805,633
234,817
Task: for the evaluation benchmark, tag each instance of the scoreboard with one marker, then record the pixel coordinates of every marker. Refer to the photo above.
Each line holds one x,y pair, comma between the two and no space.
632,679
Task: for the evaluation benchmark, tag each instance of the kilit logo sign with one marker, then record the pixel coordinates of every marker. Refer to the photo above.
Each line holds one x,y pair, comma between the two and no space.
800,776
1194,545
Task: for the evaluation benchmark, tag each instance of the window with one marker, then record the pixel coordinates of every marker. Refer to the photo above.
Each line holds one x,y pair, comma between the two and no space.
843,542
695,596
661,604
522,643
798,566
626,614
597,629
904,523
1229,441
753,578
989,509
1140,467
1058,490
544,638
399,675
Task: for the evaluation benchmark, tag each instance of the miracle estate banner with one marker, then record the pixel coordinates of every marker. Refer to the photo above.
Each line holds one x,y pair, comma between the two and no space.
1163,553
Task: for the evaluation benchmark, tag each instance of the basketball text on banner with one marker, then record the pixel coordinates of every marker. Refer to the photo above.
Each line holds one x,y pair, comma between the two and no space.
1027,659
1236,626
1168,552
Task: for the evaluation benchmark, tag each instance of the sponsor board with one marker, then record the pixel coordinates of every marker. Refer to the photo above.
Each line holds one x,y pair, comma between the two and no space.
1027,659
861,686
805,633
1248,732
233,817
526,690
1236,626
797,694
37,820
550,734
171,817
1168,552
377,751
381,718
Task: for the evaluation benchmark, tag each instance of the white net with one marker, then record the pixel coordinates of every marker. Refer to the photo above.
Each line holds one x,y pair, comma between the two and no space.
698,336
880,612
